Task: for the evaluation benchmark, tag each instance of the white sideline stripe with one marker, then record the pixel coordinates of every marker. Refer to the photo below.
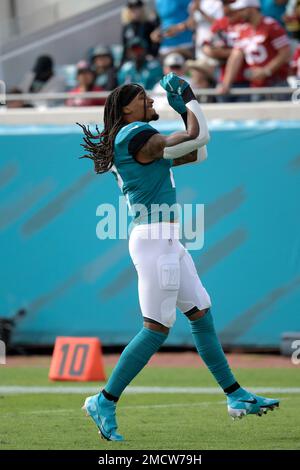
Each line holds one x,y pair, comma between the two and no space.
61,34
126,407
18,390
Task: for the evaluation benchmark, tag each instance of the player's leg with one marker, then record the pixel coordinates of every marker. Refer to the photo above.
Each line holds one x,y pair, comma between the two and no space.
194,302
102,407
157,302
156,264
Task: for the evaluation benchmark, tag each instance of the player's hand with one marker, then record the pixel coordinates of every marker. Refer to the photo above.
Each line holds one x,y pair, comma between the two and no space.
174,84
176,102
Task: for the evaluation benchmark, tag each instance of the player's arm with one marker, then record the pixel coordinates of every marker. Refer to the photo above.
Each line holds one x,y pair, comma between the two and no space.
182,99
178,144
188,158
156,144
155,147
152,150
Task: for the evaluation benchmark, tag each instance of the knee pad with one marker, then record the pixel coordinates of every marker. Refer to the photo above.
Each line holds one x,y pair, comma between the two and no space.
168,272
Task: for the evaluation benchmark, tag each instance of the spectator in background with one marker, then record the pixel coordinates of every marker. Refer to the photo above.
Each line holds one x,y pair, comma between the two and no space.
296,63
86,83
274,8
264,45
175,62
292,19
172,12
202,14
139,68
103,66
139,22
42,79
201,77
219,46
18,102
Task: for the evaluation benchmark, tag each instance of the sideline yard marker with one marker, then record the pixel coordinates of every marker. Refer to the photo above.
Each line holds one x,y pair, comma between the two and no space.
77,359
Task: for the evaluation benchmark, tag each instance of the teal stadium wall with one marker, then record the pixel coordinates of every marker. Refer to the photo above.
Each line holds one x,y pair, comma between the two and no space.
71,283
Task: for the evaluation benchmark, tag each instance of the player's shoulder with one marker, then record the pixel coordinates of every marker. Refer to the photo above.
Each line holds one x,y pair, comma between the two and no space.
129,131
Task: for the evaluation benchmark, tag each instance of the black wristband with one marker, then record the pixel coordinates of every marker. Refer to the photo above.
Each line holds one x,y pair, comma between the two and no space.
188,95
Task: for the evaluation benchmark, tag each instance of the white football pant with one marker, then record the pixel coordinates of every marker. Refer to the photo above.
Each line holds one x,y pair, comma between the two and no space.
167,276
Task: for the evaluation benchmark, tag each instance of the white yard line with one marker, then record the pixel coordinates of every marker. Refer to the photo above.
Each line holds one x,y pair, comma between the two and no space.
204,404
79,389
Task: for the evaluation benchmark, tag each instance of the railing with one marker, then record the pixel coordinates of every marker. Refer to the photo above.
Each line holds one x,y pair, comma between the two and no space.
35,97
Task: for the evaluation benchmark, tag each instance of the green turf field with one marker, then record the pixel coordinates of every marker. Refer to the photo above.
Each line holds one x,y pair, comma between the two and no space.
149,421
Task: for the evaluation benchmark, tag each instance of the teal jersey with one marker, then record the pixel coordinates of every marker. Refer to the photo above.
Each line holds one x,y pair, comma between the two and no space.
149,188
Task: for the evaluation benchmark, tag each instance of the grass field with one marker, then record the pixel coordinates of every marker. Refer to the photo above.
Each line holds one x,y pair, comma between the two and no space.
148,421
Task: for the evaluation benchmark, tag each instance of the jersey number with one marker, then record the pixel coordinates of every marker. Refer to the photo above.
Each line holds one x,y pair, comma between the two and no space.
255,53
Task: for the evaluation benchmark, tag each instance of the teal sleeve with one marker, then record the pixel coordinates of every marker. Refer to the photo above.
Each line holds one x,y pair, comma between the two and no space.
130,133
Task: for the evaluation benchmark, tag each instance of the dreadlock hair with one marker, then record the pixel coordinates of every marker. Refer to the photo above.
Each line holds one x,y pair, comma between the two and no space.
101,145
